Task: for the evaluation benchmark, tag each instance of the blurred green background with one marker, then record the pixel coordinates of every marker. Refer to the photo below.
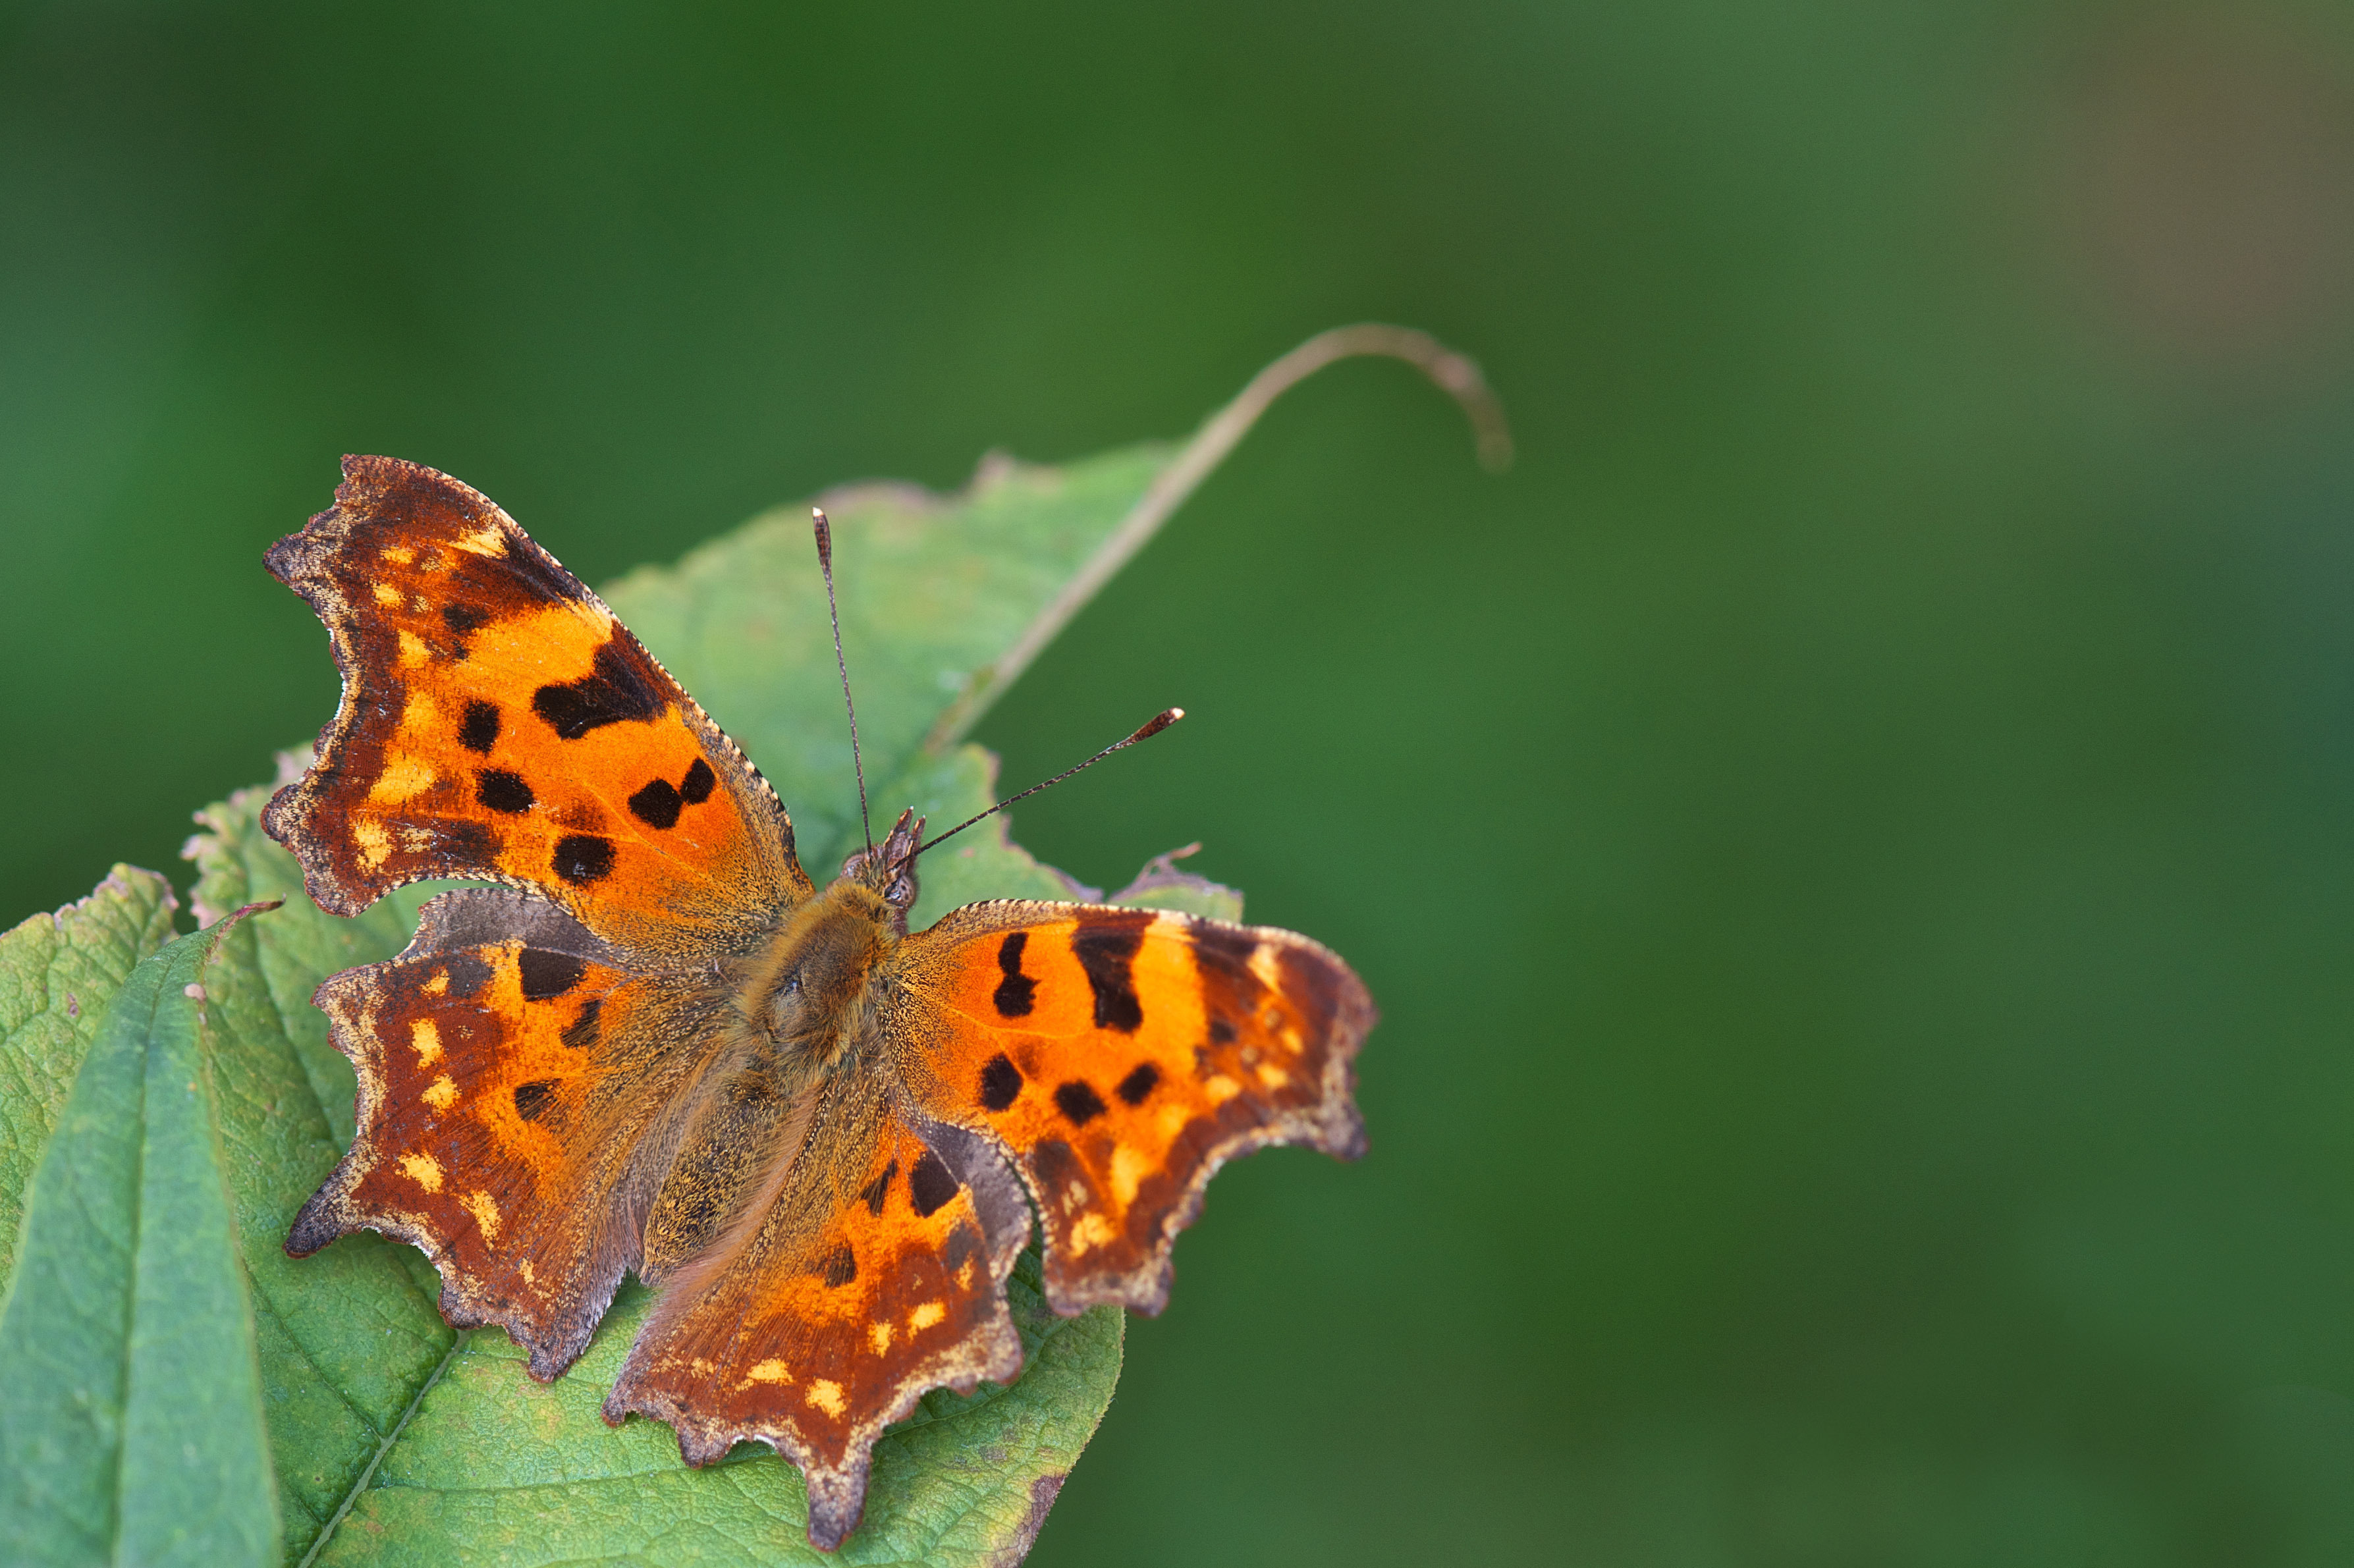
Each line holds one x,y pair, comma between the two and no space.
1852,836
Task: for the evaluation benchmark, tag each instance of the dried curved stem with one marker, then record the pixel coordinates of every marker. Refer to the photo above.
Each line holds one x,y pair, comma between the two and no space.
1456,375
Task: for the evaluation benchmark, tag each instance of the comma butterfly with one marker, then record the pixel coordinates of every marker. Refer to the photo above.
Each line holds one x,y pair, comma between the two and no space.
660,1046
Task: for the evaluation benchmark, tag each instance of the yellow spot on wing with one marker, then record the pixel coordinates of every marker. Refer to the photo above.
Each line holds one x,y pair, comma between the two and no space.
523,1266
439,985
413,650
769,1370
423,1035
924,1317
408,778
374,846
881,1335
441,1094
485,541
1092,1231
386,594
827,1396
1221,1089
400,554
423,1169
1263,965
1273,1076
1128,1168
485,1213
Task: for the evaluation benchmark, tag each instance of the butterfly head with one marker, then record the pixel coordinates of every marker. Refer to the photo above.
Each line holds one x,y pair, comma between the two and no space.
889,869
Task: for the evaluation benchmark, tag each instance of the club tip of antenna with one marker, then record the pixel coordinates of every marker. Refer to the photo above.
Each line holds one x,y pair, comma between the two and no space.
824,532
1158,722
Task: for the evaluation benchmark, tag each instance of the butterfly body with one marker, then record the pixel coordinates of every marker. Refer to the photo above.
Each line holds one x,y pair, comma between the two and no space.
801,1008
658,1047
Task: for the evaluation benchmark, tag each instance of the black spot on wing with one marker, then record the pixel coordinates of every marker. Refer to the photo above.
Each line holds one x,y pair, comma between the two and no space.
546,974
1078,1101
840,1266
1001,1083
1139,1083
504,791
582,1033
657,804
1015,992
481,728
462,618
876,1190
1106,947
696,787
930,1184
1222,1032
582,858
531,1100
615,691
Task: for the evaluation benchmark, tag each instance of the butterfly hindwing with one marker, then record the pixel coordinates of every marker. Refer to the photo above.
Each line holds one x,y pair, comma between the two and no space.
509,1075
1120,1056
867,1266
498,722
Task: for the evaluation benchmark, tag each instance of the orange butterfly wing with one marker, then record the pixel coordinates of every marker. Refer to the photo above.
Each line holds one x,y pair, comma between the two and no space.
1121,1056
498,722
863,1273
510,1076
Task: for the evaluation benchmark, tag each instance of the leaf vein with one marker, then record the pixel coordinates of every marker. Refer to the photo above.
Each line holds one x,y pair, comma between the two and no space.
382,1449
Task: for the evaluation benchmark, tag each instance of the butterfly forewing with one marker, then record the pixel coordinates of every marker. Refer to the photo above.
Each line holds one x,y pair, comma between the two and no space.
499,723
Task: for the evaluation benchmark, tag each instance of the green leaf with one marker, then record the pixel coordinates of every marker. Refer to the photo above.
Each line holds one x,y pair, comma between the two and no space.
497,1468
57,972
131,1421
344,1339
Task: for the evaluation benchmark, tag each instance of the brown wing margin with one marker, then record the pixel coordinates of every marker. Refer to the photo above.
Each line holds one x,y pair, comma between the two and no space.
497,722
1118,1057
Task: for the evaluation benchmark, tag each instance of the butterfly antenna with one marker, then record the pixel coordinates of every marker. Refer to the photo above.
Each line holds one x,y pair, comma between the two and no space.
1153,726
825,564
